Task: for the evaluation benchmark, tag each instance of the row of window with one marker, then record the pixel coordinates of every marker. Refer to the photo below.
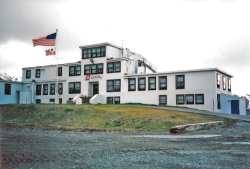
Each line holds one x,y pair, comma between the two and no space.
94,52
190,99
46,87
50,100
112,67
223,82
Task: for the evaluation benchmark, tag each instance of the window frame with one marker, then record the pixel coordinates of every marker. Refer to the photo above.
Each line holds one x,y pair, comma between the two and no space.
38,101
229,84
75,71
183,99
28,77
59,72
151,83
52,101
161,99
218,80
202,98
111,99
163,88
224,82
113,80
119,99
60,88
40,91
186,98
90,70
129,85
45,89
114,68
5,89
176,77
60,100
218,101
89,52
74,88
50,89
139,89
38,70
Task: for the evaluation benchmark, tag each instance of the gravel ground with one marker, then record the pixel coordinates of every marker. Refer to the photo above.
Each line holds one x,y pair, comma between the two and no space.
37,148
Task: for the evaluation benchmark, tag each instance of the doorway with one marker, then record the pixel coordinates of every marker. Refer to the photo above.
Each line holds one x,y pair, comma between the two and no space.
235,107
18,97
95,89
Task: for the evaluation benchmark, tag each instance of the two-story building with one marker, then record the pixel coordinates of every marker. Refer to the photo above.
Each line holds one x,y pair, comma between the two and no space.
108,74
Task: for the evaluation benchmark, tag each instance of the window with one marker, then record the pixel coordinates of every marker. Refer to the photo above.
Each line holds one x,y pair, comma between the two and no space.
141,83
151,83
218,80
131,84
74,87
60,101
179,99
218,101
38,101
224,82
109,100
189,99
229,84
52,89
199,99
45,89
59,71
74,70
28,74
7,89
38,72
114,67
162,100
162,82
38,89
180,82
60,88
117,100
93,69
52,100
114,85
94,52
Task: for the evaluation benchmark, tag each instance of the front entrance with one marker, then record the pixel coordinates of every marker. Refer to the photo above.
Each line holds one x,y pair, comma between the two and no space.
235,107
95,89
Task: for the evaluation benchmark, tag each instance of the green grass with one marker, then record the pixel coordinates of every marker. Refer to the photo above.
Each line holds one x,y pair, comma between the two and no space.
100,117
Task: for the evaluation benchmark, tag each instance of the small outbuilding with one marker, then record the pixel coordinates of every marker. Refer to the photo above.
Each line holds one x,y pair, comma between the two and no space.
233,104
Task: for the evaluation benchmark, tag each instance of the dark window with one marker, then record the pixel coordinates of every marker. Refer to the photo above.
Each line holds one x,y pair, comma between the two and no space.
189,99
162,100
74,87
114,85
28,74
179,99
70,98
93,52
224,82
38,89
151,83
74,70
38,101
93,69
131,84
52,89
117,100
38,73
60,88
218,101
45,89
218,80
59,71
7,89
229,84
162,82
113,67
199,99
109,100
60,101
141,83
180,82
52,100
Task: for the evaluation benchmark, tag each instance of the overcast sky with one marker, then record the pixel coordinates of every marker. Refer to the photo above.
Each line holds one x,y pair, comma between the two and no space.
172,34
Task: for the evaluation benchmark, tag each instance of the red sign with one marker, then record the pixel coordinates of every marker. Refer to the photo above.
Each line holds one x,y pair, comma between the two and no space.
87,77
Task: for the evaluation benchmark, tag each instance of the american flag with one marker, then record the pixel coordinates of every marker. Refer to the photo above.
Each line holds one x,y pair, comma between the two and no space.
49,40
50,52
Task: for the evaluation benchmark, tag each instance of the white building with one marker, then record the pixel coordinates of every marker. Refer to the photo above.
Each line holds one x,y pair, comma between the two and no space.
110,74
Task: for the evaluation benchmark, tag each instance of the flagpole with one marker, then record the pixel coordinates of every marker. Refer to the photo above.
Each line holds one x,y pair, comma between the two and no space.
57,92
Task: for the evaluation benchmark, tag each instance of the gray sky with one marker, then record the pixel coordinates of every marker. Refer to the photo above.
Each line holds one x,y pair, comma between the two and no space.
173,34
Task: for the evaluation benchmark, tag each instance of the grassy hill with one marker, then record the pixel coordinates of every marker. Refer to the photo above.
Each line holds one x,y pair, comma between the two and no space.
100,117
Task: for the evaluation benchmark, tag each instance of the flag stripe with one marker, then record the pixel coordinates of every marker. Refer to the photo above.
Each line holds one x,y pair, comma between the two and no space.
49,40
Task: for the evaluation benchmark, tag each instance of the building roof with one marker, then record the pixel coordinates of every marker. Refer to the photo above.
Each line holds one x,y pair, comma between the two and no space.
182,71
63,64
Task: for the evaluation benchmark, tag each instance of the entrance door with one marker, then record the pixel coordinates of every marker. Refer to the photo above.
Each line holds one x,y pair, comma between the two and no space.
235,107
95,89
18,96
